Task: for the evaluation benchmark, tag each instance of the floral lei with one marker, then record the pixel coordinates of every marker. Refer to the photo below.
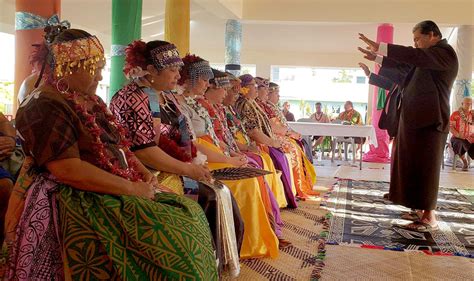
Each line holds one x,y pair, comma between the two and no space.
202,112
463,116
104,160
259,112
228,134
279,114
234,124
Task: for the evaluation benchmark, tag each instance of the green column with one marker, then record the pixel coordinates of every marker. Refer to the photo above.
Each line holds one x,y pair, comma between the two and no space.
126,27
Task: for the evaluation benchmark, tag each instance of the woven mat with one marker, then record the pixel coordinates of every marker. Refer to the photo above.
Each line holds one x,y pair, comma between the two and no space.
347,263
301,261
362,217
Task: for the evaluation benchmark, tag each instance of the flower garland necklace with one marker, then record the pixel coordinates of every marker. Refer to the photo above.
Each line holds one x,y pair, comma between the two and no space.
279,114
228,135
261,116
316,116
464,117
202,112
104,160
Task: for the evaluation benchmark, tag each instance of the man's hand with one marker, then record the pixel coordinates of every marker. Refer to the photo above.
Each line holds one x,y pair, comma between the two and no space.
365,68
368,55
371,45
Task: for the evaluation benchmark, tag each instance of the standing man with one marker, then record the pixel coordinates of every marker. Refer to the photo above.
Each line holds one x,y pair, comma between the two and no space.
286,111
424,118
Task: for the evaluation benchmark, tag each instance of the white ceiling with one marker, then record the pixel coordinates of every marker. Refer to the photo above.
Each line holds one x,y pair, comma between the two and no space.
259,36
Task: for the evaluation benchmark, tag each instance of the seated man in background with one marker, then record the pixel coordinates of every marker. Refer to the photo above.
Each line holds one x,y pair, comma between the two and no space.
320,117
462,138
350,114
353,117
286,111
7,146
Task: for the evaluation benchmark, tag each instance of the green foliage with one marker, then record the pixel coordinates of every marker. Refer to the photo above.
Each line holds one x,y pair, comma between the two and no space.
344,77
308,110
304,105
6,95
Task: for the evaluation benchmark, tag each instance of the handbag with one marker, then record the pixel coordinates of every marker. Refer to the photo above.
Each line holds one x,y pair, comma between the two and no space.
391,112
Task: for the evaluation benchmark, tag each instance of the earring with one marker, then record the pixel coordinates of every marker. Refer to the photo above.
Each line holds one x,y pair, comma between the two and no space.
152,81
64,88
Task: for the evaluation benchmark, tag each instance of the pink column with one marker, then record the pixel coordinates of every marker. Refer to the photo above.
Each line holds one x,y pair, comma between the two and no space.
380,154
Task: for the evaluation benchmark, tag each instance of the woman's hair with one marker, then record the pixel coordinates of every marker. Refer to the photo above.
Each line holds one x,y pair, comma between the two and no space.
185,71
138,53
245,79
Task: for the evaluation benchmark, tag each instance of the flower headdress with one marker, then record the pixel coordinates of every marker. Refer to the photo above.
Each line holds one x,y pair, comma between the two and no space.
245,81
83,52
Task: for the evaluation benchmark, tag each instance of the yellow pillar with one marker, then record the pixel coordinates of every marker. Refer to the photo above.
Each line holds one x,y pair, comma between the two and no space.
177,27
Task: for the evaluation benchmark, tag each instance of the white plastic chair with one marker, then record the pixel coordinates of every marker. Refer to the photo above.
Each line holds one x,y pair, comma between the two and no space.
345,141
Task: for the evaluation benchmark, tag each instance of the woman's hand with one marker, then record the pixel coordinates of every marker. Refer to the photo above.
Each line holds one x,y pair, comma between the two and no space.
151,179
238,161
253,148
294,135
7,146
198,172
143,189
276,143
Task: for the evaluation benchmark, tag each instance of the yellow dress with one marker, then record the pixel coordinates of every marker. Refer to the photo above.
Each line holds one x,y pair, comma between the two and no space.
259,238
273,179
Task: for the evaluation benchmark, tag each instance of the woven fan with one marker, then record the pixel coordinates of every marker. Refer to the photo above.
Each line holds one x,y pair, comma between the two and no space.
238,173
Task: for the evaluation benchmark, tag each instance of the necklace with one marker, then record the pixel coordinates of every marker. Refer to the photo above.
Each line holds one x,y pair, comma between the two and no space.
204,114
464,117
104,161
318,116
263,122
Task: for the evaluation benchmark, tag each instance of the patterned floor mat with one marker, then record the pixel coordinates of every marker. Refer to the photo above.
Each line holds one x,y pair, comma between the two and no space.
360,216
305,228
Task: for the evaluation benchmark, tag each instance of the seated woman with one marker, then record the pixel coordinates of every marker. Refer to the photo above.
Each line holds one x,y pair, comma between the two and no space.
212,101
137,107
257,125
94,211
303,168
252,198
245,144
7,146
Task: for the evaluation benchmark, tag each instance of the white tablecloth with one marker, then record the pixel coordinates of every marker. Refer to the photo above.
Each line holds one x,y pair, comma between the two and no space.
335,130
